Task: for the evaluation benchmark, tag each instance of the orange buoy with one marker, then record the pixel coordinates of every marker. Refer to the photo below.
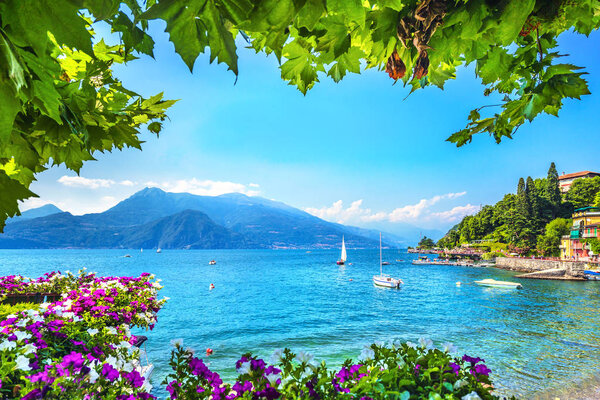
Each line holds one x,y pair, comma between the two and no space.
209,351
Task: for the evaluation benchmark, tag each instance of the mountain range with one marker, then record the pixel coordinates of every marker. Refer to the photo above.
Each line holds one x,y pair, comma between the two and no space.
152,218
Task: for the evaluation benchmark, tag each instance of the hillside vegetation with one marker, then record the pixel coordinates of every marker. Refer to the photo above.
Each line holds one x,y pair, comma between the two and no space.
530,221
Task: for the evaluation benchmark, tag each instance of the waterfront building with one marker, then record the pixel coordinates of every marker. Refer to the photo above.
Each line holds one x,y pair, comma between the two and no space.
586,225
565,180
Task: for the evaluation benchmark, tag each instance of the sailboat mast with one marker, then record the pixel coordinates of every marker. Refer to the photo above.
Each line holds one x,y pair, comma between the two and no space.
380,259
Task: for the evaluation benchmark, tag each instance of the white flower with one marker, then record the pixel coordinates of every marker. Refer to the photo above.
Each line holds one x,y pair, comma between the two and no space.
127,367
93,375
244,368
7,345
379,343
177,342
366,354
124,344
111,330
21,323
471,396
92,331
459,383
450,348
68,315
22,335
305,357
425,343
29,348
23,363
277,356
396,344
112,361
273,379
411,345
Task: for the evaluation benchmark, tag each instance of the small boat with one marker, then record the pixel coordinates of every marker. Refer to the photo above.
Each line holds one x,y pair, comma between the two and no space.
399,260
592,275
158,250
384,280
141,250
499,284
385,263
145,369
342,259
212,262
127,256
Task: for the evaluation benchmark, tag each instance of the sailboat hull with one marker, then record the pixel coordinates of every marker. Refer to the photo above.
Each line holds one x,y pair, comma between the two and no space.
386,281
340,262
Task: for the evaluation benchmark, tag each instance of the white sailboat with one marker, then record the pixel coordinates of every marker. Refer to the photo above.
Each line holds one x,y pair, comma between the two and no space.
343,257
382,279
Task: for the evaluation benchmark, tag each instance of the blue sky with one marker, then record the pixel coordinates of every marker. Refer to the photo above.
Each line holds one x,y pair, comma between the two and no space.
356,152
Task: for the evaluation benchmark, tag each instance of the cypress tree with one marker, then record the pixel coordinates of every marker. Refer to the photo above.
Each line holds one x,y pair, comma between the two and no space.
532,200
552,190
522,204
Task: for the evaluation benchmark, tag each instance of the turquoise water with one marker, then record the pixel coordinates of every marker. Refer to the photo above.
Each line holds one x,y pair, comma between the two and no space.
539,341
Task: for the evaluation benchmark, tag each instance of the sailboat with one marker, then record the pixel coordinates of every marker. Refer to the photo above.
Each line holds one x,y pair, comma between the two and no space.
382,279
342,259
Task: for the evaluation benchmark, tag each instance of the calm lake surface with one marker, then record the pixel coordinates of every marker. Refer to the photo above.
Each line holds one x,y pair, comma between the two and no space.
540,342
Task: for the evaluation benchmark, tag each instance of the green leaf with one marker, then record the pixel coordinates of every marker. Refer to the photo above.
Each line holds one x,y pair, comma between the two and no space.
513,18
270,15
186,32
299,68
11,192
9,108
348,62
495,65
310,13
29,21
352,10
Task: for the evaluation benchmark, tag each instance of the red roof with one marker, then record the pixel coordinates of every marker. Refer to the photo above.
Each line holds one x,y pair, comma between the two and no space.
577,175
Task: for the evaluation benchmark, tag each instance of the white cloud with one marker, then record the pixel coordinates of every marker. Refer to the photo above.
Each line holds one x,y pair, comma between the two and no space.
414,211
410,213
127,182
339,214
81,182
206,187
457,213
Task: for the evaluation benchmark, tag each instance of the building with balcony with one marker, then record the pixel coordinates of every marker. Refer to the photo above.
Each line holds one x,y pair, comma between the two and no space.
586,225
565,180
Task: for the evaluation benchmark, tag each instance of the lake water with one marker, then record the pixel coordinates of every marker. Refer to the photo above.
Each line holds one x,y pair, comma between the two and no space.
540,342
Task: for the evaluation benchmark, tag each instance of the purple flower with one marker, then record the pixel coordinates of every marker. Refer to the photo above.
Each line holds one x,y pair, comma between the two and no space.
482,369
417,368
472,360
110,372
455,368
135,378
172,390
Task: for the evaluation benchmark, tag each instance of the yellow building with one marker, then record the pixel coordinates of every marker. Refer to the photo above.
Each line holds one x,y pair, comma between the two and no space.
586,225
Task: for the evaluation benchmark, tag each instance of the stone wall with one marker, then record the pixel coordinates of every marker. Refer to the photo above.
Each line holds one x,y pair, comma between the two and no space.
572,268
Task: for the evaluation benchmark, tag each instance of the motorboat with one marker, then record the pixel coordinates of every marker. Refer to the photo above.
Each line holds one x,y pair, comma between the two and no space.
499,284
212,262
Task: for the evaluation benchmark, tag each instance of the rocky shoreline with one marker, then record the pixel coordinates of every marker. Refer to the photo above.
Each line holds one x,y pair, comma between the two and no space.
543,269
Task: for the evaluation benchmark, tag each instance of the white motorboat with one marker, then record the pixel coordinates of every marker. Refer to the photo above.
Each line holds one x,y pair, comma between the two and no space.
499,284
212,262
384,280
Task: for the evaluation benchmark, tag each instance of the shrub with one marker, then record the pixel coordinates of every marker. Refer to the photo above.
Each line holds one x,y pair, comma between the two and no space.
397,371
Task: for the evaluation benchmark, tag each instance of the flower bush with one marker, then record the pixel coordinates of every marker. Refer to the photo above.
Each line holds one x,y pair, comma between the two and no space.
78,347
398,371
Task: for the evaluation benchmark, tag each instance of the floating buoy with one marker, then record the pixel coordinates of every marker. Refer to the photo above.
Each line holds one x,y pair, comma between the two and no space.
212,286
350,280
209,351
458,283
